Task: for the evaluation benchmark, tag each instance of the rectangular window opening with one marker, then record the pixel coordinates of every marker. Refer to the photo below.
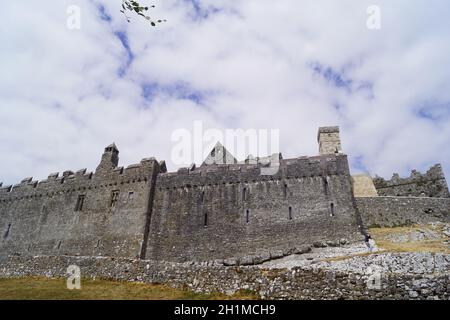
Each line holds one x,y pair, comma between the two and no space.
80,203
114,198
247,216
290,213
332,209
205,221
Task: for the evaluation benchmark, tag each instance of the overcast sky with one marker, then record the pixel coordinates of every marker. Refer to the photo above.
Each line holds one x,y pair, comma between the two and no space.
290,65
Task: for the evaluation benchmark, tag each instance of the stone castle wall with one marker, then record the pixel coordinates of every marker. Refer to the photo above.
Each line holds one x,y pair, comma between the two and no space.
215,212
42,218
212,212
430,184
401,211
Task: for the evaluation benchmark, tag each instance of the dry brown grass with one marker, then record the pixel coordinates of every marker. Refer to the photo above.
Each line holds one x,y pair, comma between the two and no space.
385,244
37,288
383,239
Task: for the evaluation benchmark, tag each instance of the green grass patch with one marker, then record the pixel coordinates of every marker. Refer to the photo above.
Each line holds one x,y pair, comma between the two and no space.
39,288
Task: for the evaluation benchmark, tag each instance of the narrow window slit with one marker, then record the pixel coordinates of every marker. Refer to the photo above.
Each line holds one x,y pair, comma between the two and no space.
114,198
325,185
80,203
7,231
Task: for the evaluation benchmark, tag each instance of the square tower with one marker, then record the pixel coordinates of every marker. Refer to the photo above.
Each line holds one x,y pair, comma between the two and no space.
329,140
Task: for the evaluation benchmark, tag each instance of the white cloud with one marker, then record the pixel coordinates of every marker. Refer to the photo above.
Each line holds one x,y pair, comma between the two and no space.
250,64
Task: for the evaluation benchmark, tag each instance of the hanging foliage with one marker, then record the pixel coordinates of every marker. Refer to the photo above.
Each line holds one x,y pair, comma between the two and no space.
134,7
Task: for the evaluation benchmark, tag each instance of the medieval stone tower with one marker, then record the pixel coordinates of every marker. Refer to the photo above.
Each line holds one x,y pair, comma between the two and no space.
329,140
110,159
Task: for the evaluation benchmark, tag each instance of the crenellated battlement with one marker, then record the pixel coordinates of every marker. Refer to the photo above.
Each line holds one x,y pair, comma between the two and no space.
285,169
80,212
430,184
220,209
70,181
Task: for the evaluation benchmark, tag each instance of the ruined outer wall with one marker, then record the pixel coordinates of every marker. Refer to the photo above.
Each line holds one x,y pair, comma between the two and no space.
430,184
400,211
40,217
318,191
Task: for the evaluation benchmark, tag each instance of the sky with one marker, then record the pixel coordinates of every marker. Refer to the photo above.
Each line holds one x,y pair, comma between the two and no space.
287,65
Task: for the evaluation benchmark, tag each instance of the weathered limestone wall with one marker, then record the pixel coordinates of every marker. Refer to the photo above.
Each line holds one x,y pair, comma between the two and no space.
213,212
296,283
329,140
218,212
363,186
41,217
430,184
400,211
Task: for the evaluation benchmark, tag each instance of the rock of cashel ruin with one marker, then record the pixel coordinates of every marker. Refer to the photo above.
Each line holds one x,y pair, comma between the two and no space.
221,210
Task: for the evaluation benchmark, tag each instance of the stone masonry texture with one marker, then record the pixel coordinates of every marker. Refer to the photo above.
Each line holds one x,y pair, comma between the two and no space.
363,186
430,184
216,211
402,211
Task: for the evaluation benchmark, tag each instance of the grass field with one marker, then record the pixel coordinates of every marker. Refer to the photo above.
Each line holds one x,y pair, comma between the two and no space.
37,288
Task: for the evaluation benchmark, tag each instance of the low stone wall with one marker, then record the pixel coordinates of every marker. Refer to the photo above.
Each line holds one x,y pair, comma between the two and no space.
401,211
296,283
